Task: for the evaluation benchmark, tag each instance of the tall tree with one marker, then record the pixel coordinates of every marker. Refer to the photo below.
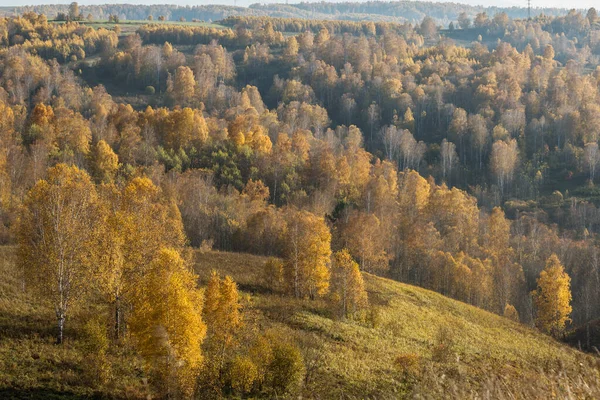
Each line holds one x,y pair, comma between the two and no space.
459,127
592,159
138,223
553,297
308,248
56,236
507,275
504,162
166,324
104,162
347,288
364,237
74,11
222,312
184,86
428,28
448,155
464,21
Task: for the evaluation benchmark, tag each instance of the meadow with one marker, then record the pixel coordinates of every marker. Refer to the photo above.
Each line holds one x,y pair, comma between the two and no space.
412,342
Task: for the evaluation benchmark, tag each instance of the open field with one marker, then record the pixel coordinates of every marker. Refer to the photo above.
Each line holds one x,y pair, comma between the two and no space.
130,26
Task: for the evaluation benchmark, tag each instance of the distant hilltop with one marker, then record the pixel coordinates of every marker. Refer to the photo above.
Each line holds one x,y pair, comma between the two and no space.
405,11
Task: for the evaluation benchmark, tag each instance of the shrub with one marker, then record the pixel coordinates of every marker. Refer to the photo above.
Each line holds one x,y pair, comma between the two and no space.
286,370
443,348
273,274
261,354
511,312
408,364
206,246
150,90
374,317
243,373
96,344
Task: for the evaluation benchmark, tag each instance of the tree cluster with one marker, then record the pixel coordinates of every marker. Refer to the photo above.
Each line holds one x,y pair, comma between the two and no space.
304,145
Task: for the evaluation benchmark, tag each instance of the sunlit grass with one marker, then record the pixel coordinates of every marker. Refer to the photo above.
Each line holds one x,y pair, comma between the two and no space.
358,361
398,358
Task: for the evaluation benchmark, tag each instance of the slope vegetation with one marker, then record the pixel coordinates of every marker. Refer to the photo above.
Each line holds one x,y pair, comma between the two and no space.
411,342
414,342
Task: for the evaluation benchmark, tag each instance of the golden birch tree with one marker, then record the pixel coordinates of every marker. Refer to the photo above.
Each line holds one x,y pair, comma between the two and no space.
553,297
56,237
308,249
347,287
166,324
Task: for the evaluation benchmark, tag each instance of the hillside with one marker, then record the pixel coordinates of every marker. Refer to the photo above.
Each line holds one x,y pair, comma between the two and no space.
421,343
488,352
412,11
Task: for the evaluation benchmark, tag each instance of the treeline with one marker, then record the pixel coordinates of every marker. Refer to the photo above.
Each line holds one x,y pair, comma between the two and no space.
412,12
298,25
141,12
159,33
568,34
64,42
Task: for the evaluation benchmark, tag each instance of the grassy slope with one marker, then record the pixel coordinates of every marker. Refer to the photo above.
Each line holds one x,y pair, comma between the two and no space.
33,367
345,359
490,353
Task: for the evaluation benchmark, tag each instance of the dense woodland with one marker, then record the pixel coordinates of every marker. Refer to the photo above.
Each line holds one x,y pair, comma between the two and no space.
464,161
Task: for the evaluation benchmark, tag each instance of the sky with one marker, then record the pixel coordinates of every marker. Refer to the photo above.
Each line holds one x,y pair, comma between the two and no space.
503,3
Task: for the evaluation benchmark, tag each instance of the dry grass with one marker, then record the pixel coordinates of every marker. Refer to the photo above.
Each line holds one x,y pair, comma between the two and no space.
423,345
488,356
33,367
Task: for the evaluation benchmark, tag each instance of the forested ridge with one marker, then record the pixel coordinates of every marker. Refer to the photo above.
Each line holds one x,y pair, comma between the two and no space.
404,11
462,160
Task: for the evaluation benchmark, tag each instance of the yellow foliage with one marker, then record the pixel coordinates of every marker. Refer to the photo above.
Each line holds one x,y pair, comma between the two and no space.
183,127
137,223
347,288
236,131
243,374
5,183
166,323
365,239
105,162
553,297
414,191
96,346
261,353
273,274
510,312
308,248
286,370
184,86
56,237
222,312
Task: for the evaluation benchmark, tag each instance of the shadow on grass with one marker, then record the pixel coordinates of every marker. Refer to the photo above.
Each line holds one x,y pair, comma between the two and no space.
47,394
16,326
254,288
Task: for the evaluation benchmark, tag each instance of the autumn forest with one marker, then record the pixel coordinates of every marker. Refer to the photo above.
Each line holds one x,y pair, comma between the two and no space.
367,200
